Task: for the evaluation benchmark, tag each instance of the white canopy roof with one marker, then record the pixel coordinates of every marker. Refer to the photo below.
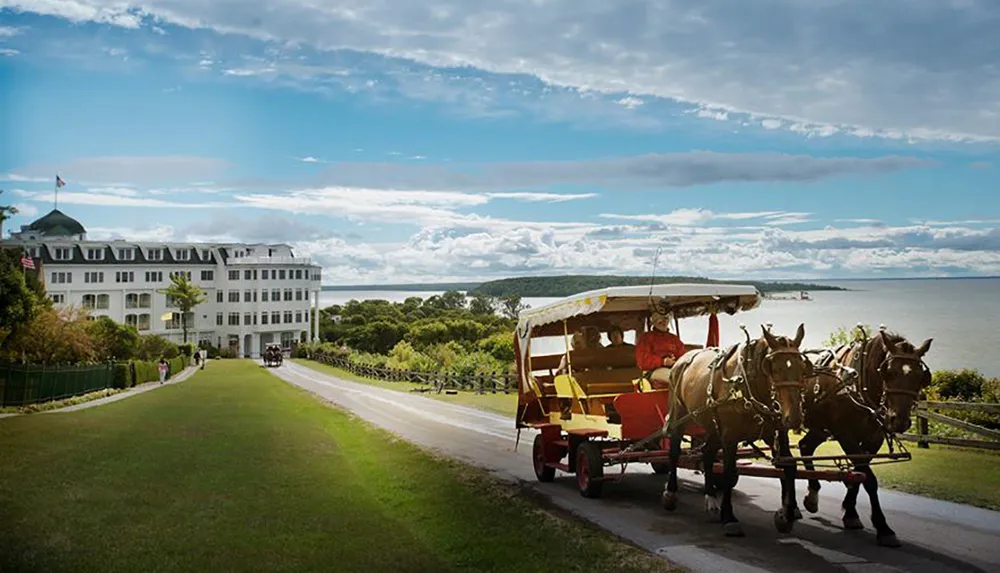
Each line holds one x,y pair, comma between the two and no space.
697,297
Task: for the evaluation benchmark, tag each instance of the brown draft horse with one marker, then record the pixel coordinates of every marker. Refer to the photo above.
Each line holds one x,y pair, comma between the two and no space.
859,411
743,394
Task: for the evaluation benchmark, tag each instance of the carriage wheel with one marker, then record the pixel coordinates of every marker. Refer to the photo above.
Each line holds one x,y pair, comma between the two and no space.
543,472
589,469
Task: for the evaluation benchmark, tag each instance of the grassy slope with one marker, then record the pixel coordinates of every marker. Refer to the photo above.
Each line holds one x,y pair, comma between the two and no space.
505,404
234,469
954,474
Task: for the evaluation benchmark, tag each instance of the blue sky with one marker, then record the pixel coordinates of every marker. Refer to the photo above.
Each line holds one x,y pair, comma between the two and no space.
445,140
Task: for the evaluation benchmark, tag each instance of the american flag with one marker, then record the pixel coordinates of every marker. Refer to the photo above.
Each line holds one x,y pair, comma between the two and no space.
59,182
26,261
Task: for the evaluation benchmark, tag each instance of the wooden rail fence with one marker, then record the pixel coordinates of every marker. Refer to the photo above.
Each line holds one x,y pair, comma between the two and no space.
929,410
493,383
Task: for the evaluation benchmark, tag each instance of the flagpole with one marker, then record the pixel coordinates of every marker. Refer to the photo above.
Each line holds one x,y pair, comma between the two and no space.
56,191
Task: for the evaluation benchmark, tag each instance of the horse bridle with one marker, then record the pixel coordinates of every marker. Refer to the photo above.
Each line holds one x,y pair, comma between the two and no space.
884,367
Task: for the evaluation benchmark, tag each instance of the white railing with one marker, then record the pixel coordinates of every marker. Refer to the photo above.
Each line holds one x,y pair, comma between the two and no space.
257,260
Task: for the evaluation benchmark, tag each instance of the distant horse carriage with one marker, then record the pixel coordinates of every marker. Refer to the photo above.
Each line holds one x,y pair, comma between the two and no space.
598,410
273,356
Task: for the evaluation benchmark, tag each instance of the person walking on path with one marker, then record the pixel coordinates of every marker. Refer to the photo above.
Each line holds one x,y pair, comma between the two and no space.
204,357
163,370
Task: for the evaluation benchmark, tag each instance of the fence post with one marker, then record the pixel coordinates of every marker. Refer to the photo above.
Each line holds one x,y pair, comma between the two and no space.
922,431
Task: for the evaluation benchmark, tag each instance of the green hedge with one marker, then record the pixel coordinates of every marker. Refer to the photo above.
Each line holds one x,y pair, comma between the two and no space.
146,371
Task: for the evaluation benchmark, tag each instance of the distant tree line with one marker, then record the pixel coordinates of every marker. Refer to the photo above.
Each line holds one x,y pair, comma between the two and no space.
559,286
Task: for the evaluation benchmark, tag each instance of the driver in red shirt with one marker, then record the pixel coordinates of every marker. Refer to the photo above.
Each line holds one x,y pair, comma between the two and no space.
658,350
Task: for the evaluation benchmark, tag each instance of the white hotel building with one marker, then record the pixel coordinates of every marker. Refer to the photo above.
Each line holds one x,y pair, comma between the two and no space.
255,293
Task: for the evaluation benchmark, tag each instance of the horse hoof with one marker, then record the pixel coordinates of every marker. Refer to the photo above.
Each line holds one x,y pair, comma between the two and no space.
733,529
782,523
712,506
669,500
796,514
888,540
811,501
853,523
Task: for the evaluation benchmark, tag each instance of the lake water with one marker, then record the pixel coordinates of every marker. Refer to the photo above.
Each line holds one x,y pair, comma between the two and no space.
961,315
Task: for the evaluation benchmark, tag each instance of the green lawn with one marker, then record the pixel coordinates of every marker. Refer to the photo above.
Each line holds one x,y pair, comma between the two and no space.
234,469
943,472
500,403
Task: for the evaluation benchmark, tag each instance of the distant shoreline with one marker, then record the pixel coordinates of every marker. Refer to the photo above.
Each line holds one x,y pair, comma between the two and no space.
467,287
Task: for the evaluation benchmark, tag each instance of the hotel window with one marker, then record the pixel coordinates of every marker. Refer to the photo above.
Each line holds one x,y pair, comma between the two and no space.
247,274
218,319
275,295
298,317
155,254
263,295
58,298
95,254
174,322
247,320
171,302
185,274
93,277
206,254
62,278
281,274
208,275
288,294
145,301
234,275
144,322
298,274
234,319
219,297
126,254
61,253
298,294
234,296
183,254
275,317
89,301
103,301
132,320
288,317
263,318
125,276
154,276
131,300
248,296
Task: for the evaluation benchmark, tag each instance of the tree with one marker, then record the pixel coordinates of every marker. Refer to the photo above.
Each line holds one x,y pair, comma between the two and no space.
18,300
483,304
6,212
185,295
511,306
113,340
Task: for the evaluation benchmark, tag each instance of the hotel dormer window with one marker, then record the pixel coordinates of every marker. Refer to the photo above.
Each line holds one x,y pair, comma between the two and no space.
61,253
95,254
156,254
126,254
183,254
206,254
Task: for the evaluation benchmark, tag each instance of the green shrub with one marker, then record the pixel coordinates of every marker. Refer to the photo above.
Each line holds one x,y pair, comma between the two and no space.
963,385
847,335
228,352
186,348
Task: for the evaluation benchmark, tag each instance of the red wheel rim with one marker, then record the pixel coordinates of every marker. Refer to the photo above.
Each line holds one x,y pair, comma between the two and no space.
582,470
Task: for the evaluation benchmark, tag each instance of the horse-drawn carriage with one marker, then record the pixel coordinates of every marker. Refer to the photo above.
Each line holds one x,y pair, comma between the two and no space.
596,409
273,356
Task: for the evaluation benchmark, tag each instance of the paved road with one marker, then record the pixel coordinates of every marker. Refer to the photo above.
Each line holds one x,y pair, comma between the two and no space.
937,536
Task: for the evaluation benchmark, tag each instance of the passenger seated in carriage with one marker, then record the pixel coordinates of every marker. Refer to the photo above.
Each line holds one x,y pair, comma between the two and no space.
617,337
658,350
584,338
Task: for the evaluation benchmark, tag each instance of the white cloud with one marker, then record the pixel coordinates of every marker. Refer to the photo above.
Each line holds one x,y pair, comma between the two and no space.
133,169
26,209
686,217
630,102
119,191
8,52
782,61
310,159
26,179
9,31
116,200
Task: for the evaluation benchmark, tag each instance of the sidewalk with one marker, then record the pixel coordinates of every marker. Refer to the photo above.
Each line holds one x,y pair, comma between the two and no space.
146,387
